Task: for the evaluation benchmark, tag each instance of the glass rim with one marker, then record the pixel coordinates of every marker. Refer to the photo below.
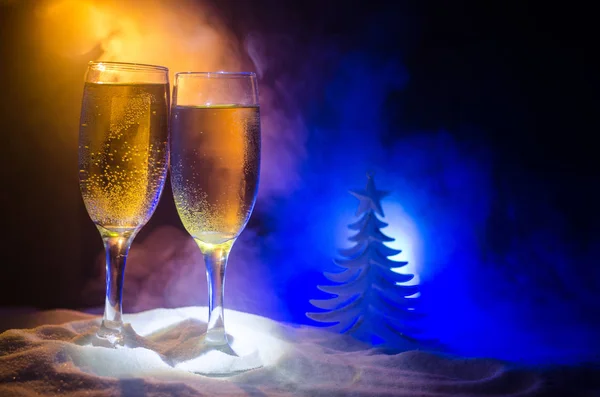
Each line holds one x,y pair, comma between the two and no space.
219,74
129,66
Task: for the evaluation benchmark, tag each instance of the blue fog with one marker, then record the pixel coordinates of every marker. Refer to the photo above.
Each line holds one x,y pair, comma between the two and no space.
513,294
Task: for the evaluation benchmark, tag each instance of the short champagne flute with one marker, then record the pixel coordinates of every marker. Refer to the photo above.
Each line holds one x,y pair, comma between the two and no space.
123,163
215,164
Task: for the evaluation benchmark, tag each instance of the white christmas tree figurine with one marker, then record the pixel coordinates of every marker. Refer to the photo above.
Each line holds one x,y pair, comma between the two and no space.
369,301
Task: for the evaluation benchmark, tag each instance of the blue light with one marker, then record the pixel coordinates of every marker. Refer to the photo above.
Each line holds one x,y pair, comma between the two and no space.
442,199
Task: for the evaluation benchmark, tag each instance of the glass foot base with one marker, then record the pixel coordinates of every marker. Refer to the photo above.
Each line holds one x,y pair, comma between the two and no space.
109,337
218,360
114,338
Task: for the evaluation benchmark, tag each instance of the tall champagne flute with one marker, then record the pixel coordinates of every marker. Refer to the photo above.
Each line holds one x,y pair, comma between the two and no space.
215,162
123,162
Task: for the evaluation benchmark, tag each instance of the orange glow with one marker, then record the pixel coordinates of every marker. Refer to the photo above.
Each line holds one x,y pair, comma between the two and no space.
72,27
178,34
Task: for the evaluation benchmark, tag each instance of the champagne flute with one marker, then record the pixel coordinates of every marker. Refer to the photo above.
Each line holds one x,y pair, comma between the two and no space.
215,162
123,163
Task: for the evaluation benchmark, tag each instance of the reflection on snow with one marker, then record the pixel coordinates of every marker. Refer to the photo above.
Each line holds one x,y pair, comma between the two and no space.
164,339
296,360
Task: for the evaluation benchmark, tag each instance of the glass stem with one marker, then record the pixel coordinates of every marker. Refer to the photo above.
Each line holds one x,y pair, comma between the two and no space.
215,258
117,248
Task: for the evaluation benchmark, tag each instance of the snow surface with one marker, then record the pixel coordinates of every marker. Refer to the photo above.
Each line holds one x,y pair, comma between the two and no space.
50,355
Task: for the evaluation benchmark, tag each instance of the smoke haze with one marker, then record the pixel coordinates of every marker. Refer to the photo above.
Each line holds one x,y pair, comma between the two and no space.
499,275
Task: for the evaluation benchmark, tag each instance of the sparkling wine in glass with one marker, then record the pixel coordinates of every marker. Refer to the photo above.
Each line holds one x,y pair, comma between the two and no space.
215,162
123,162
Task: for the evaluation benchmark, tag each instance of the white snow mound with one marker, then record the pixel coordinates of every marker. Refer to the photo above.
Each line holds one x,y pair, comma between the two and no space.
55,359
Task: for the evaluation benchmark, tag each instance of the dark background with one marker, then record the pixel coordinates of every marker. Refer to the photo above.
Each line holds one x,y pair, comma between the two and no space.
515,77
